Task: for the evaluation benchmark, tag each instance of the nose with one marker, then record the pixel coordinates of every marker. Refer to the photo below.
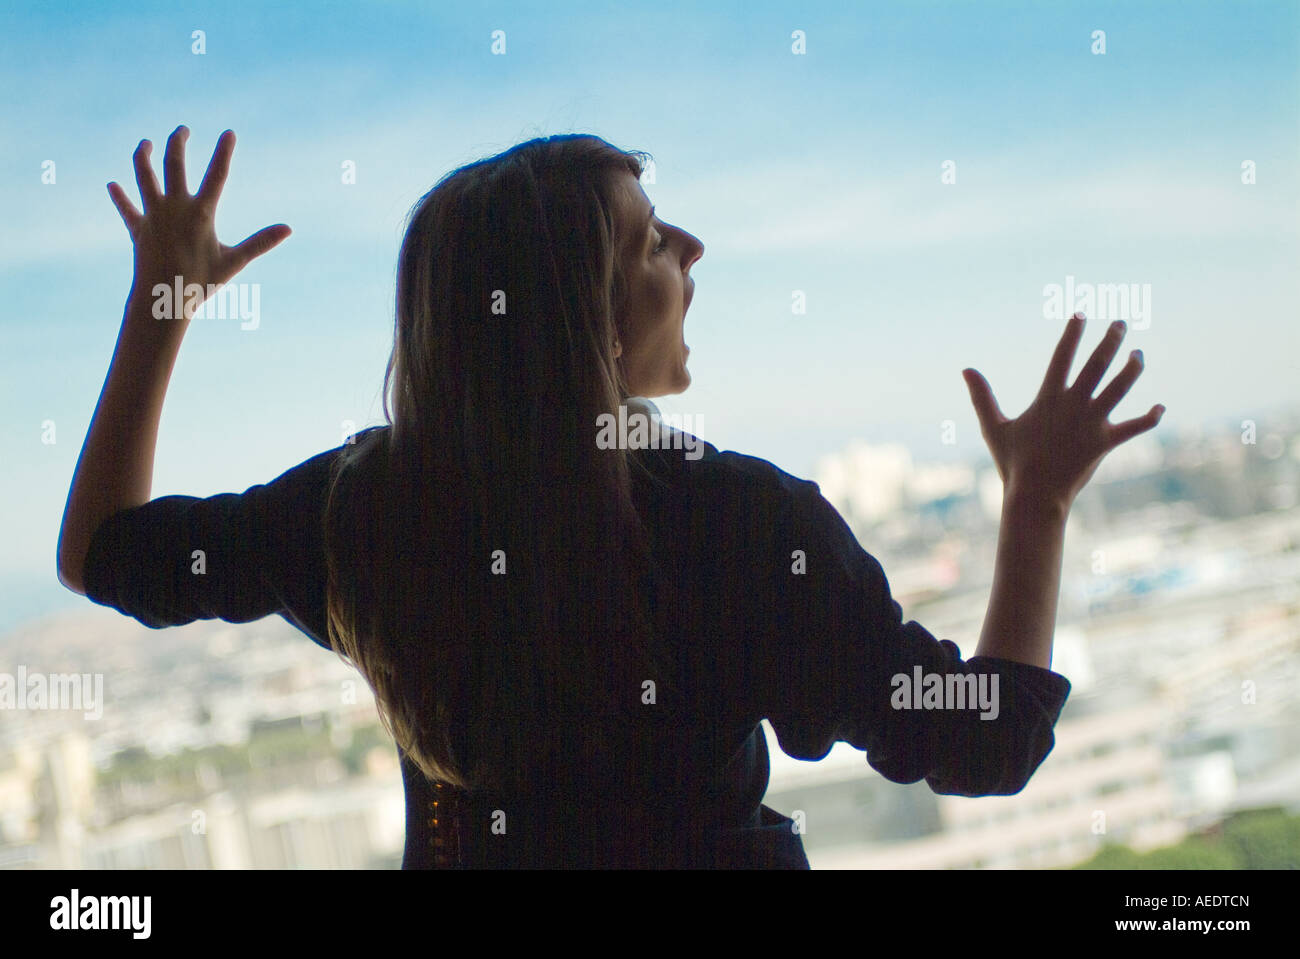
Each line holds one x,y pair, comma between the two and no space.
694,250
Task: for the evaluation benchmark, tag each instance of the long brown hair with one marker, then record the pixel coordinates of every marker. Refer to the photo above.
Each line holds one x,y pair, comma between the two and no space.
487,565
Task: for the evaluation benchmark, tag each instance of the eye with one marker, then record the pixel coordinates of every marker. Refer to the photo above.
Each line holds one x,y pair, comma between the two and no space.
663,244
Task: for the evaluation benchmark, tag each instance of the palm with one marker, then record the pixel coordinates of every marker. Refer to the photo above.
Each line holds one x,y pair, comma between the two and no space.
176,234
1055,446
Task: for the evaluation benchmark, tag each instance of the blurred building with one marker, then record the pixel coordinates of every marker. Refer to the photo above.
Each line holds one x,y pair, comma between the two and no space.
235,747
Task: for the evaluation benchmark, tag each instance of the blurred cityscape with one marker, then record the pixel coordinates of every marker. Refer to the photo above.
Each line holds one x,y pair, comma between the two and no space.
248,746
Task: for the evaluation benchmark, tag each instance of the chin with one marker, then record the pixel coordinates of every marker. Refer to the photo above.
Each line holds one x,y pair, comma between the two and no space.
668,383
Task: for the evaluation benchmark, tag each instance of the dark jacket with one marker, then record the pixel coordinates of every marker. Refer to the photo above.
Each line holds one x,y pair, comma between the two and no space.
776,610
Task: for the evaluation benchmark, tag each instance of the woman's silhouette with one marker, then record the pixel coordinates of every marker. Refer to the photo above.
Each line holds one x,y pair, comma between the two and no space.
573,645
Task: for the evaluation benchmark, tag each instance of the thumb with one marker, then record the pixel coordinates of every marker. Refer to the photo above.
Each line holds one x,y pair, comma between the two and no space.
981,397
260,242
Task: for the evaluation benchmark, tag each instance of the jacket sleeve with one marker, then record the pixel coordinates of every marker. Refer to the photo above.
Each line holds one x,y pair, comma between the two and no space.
234,556
836,662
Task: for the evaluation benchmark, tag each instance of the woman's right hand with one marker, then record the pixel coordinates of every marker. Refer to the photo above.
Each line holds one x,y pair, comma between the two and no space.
1052,449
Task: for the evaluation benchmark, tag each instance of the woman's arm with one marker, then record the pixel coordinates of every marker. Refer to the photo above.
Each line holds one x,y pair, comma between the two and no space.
1021,617
1045,456
175,237
115,469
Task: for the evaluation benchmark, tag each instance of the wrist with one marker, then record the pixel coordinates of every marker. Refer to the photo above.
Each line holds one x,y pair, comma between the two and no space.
1026,500
160,303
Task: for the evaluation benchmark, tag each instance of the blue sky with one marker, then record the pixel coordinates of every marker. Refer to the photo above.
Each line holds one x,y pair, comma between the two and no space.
819,172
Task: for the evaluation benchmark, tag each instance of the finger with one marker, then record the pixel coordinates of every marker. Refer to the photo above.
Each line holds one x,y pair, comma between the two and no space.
1099,362
150,191
981,395
260,242
1121,384
174,162
218,168
1059,366
125,208
1123,432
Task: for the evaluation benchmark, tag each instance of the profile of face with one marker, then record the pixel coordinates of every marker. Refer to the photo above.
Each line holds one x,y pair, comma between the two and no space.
657,259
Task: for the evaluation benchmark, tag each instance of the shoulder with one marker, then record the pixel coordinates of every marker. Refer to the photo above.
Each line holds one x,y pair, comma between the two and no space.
675,445
689,459
759,475
734,486
316,473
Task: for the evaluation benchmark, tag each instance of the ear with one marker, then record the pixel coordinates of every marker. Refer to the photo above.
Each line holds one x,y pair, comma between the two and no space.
618,349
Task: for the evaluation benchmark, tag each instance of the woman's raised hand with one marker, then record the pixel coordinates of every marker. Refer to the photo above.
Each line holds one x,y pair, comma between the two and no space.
1052,449
176,234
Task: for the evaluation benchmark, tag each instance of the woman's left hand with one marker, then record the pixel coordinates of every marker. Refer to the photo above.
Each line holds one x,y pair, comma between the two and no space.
176,234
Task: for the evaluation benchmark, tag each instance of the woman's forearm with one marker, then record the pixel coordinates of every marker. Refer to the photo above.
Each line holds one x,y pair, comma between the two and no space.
1021,617
115,468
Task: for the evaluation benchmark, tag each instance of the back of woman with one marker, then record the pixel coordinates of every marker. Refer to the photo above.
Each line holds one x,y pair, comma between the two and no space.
488,562
574,619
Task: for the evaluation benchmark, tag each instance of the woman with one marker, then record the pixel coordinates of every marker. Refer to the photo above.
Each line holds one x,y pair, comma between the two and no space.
572,641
